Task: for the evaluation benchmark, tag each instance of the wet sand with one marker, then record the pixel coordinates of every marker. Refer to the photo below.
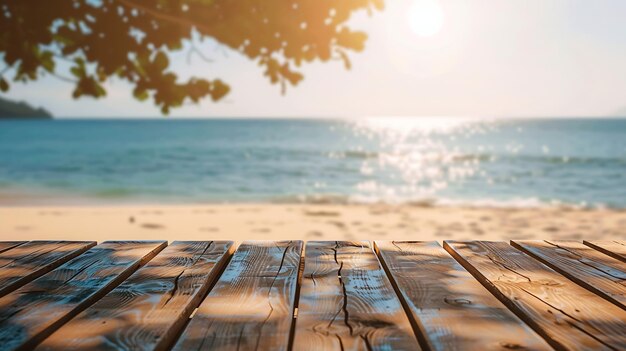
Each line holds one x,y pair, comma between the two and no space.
308,222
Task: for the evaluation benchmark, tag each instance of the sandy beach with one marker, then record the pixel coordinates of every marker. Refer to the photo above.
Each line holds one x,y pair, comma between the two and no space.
307,222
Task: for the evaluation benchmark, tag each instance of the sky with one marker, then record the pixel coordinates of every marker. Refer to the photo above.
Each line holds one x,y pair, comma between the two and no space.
475,58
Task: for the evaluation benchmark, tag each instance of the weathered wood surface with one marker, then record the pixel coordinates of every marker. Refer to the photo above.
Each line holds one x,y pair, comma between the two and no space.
251,305
32,312
449,307
148,310
31,260
568,316
7,245
347,302
613,248
587,267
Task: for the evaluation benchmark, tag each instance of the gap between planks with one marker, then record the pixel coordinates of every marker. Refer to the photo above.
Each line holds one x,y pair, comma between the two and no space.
33,312
566,314
148,310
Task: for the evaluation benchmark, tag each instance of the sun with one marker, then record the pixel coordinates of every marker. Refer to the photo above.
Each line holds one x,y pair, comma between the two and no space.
426,17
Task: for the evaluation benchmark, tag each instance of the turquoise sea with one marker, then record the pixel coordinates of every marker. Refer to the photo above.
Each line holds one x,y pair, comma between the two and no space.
521,162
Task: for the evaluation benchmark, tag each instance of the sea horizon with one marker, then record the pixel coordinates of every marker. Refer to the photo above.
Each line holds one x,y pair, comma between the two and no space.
315,118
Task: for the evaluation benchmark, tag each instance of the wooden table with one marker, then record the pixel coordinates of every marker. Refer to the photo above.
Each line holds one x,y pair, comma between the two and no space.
330,295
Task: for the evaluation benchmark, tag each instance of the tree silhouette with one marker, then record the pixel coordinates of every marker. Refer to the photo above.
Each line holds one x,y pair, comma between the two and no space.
133,39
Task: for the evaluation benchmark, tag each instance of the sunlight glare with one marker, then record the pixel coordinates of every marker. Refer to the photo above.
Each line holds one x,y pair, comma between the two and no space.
426,17
414,159
415,125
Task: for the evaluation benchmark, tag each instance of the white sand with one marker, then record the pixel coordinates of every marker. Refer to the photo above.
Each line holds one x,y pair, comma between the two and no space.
307,222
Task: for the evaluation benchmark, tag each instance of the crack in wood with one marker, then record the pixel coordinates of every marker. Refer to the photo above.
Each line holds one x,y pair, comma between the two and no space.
312,276
174,289
344,305
176,279
503,265
396,245
569,322
582,260
241,330
366,340
269,292
79,272
341,347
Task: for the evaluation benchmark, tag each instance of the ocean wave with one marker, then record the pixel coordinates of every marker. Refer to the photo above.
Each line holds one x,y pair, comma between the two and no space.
315,199
549,159
114,193
486,157
518,203
580,160
355,154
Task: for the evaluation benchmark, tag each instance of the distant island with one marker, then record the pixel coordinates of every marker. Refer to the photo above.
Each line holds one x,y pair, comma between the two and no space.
21,110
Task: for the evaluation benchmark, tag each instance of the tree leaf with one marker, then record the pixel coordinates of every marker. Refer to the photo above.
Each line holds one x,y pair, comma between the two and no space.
219,90
140,94
161,61
4,85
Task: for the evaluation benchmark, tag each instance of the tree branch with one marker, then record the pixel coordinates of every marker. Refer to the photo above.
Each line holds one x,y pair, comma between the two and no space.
173,19
63,78
195,50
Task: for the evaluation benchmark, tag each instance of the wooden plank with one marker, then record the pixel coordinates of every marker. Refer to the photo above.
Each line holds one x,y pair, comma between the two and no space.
613,248
31,260
587,267
34,311
347,302
568,316
147,311
7,245
450,308
251,305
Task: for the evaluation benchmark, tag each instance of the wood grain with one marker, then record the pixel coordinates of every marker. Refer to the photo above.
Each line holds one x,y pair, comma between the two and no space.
613,248
7,245
347,303
449,307
31,260
149,309
587,267
34,311
568,316
251,305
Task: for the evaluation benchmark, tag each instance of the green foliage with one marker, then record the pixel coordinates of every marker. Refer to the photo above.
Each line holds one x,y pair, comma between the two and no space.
132,39
4,85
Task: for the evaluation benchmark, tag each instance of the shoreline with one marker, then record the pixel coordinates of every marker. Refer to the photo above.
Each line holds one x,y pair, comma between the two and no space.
270,221
24,198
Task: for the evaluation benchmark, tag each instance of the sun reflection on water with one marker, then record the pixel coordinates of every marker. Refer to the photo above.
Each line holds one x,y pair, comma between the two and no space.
405,126
416,158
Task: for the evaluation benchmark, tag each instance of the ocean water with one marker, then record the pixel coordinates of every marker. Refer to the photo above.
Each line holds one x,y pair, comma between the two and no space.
579,162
